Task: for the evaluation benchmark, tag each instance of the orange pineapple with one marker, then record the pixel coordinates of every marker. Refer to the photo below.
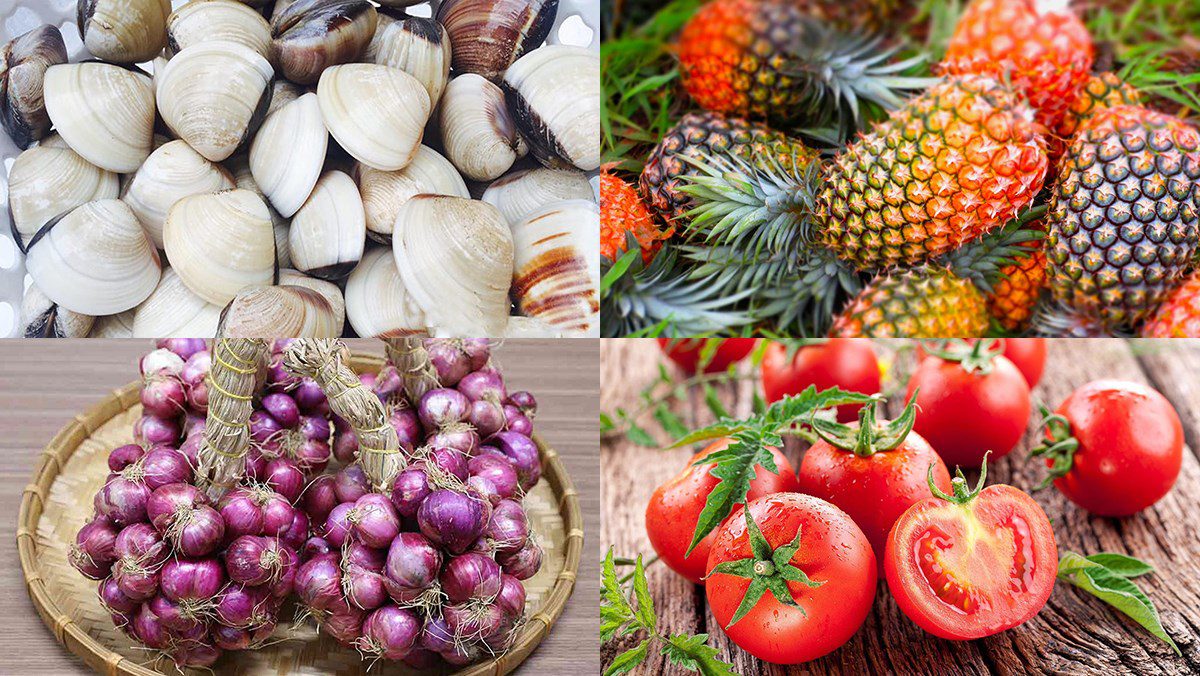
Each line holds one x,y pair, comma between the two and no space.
1102,91
1179,314
622,211
1014,297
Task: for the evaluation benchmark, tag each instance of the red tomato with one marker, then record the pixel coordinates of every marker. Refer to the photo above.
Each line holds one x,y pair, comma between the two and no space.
675,507
1027,354
966,414
848,363
974,565
1130,447
686,352
834,555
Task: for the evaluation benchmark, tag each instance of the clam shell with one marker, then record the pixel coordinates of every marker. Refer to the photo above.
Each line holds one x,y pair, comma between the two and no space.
331,292
171,173
221,243
283,93
95,260
239,167
487,36
43,318
521,192
26,58
417,46
554,94
104,112
279,312
377,304
288,153
203,20
384,192
328,233
308,36
123,31
214,95
455,257
119,325
49,180
376,113
557,275
530,327
480,135
173,311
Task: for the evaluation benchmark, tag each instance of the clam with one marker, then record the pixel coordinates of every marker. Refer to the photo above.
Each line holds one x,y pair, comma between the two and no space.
308,36
104,112
123,31
43,318
530,327
417,46
455,257
557,274
283,93
49,180
384,192
205,20
288,153
283,250
214,95
487,36
22,71
327,234
221,243
119,325
377,304
376,113
520,192
171,173
279,312
173,311
331,292
239,167
554,93
480,135
95,260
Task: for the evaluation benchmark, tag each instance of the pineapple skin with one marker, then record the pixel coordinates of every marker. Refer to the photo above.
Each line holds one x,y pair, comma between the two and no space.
922,302
1179,314
1014,297
622,211
1101,91
1124,219
956,162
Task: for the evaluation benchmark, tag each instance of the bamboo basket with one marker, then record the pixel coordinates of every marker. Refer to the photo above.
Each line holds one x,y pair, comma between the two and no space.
59,501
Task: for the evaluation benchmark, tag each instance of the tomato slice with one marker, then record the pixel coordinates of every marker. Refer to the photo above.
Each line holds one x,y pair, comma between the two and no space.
965,570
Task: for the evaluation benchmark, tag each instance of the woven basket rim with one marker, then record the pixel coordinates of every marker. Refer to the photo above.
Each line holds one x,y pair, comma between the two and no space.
68,633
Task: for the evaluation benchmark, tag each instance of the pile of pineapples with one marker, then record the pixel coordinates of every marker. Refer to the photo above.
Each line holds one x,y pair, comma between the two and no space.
1017,189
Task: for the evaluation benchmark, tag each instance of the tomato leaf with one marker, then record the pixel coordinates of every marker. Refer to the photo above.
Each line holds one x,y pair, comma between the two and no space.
737,465
645,604
716,431
606,424
714,403
628,660
640,436
1120,564
1113,587
694,654
670,422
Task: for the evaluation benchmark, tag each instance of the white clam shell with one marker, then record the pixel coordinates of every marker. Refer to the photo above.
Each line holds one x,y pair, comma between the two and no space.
554,94
332,292
377,304
49,180
288,153
221,243
43,318
171,173
455,256
384,192
557,274
96,260
479,134
124,31
214,94
173,311
531,327
377,113
104,112
203,20
279,312
328,233
521,192
119,325
417,46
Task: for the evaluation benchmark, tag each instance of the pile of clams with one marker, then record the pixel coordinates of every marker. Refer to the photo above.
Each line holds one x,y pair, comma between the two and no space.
305,168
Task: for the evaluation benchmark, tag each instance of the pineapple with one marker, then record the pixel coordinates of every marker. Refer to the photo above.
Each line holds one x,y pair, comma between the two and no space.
1179,314
1014,297
1039,45
1101,91
622,212
775,60
1123,219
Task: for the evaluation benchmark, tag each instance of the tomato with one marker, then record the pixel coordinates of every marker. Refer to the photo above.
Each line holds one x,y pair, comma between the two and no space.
833,555
970,401
872,478
971,564
674,509
686,352
1027,354
1127,450
848,363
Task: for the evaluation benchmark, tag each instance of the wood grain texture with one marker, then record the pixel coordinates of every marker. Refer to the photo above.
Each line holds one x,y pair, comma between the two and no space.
43,384
1074,634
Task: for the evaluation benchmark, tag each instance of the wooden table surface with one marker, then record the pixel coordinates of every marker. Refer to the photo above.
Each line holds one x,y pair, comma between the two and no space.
43,384
1073,634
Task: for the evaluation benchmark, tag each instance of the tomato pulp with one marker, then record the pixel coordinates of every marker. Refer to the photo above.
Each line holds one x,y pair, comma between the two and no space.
848,363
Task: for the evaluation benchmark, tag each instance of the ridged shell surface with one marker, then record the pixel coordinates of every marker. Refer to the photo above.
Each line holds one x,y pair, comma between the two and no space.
104,112
384,192
49,180
171,173
288,153
221,243
554,94
204,20
174,311
417,46
377,304
521,192
328,233
377,113
557,277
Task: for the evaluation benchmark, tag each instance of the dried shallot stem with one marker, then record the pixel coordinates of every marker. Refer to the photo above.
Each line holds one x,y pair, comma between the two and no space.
236,366
411,359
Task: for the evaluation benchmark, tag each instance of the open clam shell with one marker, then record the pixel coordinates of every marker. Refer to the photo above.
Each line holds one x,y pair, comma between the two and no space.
288,153
479,134
171,173
417,46
43,318
104,112
174,311
554,94
204,20
123,31
95,260
279,312
328,233
23,65
521,192
487,36
221,243
557,275
214,95
377,304
308,36
376,113
49,180
384,192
